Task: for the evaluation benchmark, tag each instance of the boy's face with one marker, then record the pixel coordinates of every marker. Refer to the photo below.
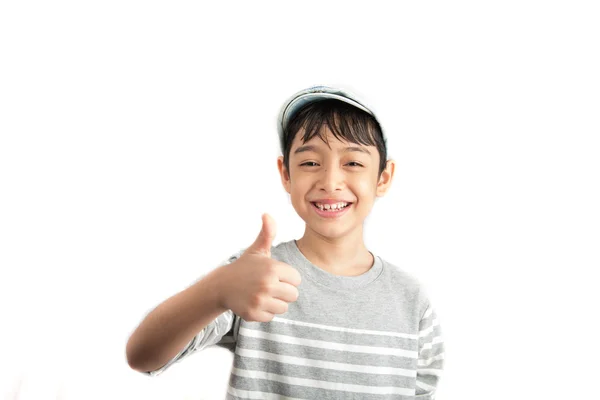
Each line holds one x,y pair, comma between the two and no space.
320,172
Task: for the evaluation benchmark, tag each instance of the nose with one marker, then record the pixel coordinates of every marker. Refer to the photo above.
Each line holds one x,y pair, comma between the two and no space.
331,179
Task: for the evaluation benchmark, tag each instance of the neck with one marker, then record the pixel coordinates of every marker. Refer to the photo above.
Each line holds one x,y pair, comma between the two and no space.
345,255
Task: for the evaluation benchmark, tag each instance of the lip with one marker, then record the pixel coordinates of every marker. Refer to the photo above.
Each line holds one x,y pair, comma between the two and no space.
330,201
331,214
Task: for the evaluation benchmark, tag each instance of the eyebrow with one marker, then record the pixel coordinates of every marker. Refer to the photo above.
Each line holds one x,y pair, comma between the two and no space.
309,147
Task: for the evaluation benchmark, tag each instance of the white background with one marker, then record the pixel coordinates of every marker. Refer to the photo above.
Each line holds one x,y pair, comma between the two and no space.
138,150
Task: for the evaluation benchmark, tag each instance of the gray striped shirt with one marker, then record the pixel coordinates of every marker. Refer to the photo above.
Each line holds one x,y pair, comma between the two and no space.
374,336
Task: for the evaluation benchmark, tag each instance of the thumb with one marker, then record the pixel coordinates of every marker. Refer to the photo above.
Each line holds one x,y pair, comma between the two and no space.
264,241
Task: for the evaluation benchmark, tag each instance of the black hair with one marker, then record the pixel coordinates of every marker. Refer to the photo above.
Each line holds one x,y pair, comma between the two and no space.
345,122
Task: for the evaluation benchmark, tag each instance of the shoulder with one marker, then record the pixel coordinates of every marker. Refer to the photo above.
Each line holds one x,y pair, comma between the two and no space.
411,287
278,252
400,276
232,257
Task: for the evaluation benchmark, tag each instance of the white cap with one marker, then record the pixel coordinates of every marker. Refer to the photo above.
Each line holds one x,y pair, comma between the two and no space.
315,93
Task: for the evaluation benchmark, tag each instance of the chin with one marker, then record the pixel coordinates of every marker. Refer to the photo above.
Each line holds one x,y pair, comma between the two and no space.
334,235
328,229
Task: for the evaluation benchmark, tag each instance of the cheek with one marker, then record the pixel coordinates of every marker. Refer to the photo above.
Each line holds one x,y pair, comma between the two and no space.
363,186
300,186
297,194
365,191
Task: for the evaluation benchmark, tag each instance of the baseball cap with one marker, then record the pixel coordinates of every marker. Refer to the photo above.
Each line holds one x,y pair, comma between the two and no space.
312,94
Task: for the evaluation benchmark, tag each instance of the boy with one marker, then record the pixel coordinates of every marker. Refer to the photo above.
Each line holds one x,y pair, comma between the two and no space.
321,317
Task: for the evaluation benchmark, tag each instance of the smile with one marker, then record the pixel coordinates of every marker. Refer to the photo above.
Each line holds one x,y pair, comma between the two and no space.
331,213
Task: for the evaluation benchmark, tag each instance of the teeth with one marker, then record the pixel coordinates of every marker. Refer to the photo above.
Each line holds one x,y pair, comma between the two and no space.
328,207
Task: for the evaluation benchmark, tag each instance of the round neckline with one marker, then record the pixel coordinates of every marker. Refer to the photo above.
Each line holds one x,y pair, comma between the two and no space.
324,278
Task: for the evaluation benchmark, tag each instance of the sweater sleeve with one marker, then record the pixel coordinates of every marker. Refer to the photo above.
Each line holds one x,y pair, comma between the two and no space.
431,355
215,333
221,332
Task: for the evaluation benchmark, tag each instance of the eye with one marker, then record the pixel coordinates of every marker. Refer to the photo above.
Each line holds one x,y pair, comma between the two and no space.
312,162
354,162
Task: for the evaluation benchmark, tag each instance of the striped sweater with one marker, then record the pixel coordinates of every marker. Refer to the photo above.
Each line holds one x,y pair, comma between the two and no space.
374,336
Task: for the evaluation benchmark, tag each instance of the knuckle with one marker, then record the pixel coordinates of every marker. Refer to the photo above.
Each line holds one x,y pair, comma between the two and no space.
256,301
268,318
266,287
271,269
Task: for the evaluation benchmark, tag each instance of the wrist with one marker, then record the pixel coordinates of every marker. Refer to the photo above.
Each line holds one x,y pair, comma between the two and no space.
215,284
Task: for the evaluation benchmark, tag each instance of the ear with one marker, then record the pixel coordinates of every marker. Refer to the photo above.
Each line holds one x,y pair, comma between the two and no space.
284,173
385,181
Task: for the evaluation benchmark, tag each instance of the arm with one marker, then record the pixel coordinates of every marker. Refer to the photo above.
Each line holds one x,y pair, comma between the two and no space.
172,326
204,313
431,355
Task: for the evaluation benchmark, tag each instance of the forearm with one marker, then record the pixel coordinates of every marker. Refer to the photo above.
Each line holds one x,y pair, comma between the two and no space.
170,326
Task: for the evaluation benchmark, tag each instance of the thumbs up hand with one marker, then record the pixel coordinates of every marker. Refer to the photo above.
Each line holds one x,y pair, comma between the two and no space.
256,287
